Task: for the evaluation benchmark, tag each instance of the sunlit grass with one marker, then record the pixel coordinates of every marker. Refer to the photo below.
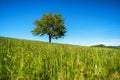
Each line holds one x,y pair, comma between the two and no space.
32,60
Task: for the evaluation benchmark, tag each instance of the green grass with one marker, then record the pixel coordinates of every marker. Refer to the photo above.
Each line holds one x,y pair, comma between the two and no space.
33,60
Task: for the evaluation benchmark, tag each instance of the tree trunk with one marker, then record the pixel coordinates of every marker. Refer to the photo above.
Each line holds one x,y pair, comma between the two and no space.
49,38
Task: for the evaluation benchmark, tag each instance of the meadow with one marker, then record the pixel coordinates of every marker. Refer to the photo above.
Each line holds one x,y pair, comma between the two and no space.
34,60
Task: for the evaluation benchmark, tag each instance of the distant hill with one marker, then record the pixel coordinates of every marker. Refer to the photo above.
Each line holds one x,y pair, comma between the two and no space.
104,46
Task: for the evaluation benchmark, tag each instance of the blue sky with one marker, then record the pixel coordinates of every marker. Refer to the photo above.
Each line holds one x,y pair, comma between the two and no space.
88,22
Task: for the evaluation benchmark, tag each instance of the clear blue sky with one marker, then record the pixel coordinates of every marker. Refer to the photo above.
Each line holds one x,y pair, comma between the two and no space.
88,22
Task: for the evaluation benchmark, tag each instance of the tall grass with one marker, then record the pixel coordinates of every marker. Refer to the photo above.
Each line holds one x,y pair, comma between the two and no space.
32,60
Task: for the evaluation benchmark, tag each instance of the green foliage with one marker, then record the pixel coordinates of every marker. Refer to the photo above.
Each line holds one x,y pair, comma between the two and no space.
33,60
52,25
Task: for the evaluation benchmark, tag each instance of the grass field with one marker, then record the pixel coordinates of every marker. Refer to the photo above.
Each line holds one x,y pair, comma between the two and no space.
33,60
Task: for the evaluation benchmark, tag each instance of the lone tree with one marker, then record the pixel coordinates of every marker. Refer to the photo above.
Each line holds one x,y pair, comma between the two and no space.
50,24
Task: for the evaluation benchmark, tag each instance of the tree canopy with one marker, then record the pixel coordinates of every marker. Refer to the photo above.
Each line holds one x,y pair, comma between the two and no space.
50,24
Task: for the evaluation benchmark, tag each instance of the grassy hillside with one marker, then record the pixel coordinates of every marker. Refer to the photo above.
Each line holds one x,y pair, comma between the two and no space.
33,60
